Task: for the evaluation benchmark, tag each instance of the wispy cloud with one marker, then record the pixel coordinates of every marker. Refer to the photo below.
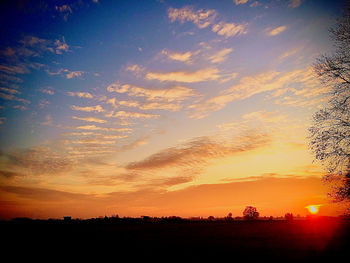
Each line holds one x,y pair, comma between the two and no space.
178,56
48,90
74,74
221,55
240,2
199,152
9,90
201,18
160,105
255,4
136,69
185,76
97,108
11,97
37,161
265,116
99,128
175,93
294,3
275,31
230,29
260,120
251,85
140,141
86,95
65,10
61,46
89,119
289,53
133,115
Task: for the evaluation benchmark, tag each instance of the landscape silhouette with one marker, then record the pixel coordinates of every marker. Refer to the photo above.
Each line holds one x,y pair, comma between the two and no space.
167,130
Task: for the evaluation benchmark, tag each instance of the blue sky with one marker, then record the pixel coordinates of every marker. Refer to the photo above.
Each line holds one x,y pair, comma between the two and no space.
101,96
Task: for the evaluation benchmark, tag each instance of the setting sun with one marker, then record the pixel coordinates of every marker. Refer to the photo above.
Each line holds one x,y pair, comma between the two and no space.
313,209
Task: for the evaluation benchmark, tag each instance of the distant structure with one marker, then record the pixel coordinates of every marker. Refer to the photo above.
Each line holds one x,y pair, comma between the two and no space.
67,218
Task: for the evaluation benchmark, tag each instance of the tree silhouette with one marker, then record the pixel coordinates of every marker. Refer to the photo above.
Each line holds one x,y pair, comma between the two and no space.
330,131
289,217
250,213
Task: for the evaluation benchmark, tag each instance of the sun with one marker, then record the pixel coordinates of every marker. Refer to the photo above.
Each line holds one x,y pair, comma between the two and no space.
313,209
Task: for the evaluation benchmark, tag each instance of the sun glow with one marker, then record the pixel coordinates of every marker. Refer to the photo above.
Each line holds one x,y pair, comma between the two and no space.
313,209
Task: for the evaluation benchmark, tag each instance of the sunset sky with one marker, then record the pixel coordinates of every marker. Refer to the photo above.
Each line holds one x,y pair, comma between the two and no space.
159,108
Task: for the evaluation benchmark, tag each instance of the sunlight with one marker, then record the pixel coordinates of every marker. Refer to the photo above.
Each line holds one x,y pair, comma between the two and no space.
313,209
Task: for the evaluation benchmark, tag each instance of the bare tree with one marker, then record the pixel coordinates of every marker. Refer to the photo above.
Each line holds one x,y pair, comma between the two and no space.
330,131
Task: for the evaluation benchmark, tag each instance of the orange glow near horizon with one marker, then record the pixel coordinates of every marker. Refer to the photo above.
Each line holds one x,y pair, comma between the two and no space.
313,209
208,117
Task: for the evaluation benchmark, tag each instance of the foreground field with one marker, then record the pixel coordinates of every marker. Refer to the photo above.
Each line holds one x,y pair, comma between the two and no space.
304,240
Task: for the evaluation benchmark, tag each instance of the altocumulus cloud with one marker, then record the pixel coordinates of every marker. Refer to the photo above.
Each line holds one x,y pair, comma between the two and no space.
200,151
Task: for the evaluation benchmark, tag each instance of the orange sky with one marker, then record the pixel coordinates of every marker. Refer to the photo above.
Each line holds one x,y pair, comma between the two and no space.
271,195
161,108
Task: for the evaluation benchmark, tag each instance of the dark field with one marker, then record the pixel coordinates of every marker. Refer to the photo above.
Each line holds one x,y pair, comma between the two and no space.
300,240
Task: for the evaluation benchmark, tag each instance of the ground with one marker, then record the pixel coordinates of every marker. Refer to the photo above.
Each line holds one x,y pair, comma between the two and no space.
278,240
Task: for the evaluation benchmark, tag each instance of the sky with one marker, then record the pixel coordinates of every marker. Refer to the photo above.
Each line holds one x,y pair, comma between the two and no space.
160,108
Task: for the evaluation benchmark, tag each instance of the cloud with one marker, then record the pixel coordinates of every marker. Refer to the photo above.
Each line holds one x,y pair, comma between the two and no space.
240,2
93,141
12,97
294,3
254,4
289,53
136,69
96,108
74,74
42,194
140,141
65,10
220,56
178,56
89,119
228,76
160,106
98,128
133,115
48,90
230,29
176,93
61,46
185,76
80,94
9,90
275,31
146,105
168,182
251,85
201,18
18,69
36,161
265,116
199,152
128,103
